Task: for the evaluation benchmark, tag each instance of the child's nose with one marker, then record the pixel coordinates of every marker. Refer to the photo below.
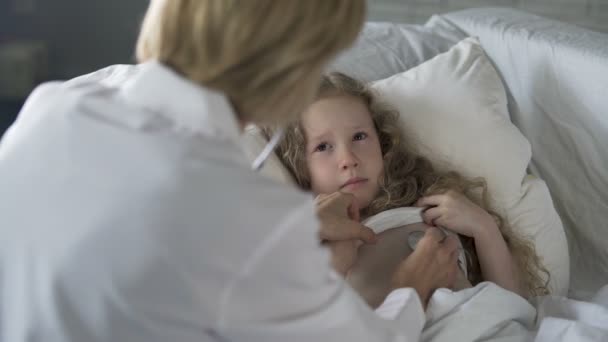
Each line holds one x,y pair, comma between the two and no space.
348,160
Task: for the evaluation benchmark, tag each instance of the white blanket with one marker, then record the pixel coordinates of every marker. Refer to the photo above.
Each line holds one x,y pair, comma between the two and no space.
556,75
490,313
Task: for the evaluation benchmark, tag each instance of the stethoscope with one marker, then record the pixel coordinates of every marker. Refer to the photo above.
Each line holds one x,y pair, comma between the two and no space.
268,149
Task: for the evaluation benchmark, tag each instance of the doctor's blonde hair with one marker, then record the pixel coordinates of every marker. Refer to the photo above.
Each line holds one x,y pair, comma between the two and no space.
266,56
409,176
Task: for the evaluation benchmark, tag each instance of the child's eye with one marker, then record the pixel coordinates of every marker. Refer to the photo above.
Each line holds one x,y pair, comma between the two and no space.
322,147
359,136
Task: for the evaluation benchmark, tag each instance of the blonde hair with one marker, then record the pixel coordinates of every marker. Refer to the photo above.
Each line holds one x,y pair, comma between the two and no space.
267,56
408,176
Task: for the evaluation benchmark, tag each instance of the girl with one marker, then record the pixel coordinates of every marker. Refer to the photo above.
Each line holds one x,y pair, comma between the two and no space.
350,142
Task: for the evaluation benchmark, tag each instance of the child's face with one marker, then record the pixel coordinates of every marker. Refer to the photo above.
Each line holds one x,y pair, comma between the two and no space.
342,150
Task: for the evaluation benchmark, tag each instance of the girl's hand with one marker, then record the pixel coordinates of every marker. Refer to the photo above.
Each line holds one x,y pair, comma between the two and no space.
454,211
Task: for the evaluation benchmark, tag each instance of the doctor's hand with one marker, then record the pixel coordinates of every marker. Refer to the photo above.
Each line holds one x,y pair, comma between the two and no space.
340,228
432,265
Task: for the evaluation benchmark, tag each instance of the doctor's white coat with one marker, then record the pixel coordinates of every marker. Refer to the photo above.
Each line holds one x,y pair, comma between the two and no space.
128,212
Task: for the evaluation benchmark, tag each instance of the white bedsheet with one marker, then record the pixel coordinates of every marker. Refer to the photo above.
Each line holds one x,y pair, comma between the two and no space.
557,76
490,313
384,49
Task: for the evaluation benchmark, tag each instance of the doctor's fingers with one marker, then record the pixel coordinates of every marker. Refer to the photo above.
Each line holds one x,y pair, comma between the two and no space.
349,202
326,198
451,244
446,258
321,198
432,237
343,203
346,230
448,250
435,239
453,269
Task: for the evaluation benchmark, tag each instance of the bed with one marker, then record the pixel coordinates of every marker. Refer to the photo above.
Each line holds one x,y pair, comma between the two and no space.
555,77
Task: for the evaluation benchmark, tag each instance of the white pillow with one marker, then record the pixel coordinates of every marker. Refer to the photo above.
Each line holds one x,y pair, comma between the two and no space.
454,110
384,49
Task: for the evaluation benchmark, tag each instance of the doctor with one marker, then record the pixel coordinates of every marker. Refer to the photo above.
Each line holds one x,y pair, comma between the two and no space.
129,212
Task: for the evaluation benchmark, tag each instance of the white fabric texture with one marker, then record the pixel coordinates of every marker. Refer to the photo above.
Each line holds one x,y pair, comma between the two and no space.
393,305
453,109
563,319
393,218
130,213
557,75
487,312
384,49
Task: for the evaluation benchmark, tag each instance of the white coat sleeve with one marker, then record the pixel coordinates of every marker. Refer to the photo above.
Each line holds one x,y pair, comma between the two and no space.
287,291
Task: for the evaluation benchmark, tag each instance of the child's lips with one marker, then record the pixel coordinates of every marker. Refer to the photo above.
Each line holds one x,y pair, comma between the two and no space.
354,182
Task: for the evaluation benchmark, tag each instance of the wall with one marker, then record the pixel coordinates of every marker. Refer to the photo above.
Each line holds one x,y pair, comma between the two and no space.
82,35
592,14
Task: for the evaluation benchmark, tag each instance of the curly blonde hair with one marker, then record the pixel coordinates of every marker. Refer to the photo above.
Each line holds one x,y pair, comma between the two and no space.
408,177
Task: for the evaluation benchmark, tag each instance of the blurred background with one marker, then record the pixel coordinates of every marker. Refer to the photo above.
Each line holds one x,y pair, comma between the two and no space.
44,40
592,14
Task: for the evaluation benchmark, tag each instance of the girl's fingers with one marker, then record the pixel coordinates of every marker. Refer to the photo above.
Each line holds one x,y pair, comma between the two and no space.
429,201
430,215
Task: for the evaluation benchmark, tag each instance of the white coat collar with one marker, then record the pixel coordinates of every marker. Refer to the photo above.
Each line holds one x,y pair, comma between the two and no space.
189,106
